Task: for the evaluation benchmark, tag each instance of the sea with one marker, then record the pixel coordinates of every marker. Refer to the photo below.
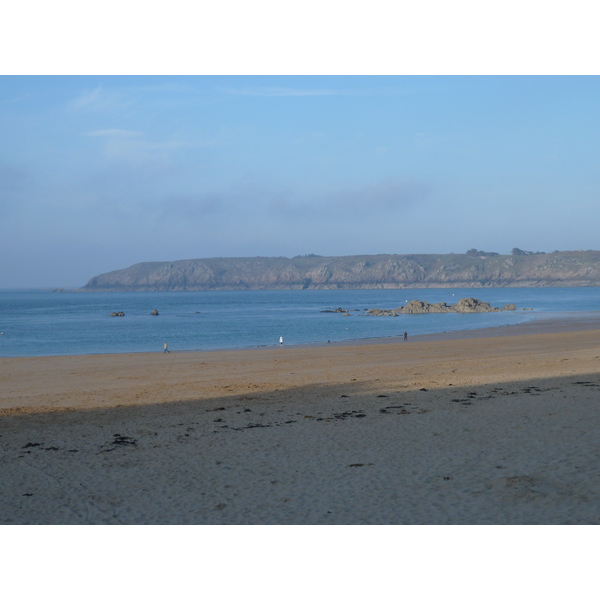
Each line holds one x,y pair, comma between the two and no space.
46,323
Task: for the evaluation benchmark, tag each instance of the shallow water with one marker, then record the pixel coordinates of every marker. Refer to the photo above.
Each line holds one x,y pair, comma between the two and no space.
39,322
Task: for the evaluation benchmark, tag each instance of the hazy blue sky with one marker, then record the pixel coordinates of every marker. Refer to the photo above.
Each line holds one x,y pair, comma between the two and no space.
98,173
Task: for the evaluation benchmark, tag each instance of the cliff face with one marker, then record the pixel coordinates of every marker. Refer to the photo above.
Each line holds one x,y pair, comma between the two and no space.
352,272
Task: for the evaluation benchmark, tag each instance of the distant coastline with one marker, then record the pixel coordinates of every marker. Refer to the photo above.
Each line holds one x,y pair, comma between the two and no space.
475,269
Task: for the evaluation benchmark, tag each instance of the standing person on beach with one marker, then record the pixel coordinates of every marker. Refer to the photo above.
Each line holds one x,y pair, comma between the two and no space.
166,347
405,336
281,340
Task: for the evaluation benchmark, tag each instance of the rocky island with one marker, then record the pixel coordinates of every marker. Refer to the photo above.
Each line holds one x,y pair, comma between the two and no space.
418,307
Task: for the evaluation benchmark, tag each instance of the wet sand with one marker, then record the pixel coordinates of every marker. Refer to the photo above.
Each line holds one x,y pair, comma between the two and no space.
488,429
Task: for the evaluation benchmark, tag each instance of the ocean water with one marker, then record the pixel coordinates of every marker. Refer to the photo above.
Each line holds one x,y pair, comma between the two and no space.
42,323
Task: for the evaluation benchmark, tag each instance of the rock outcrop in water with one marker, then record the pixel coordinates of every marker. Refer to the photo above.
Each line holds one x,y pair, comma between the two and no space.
382,271
418,307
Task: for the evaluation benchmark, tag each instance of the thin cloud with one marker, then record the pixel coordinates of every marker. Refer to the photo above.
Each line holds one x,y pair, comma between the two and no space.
283,92
18,99
138,150
113,133
97,99
132,146
385,197
192,206
87,99
127,140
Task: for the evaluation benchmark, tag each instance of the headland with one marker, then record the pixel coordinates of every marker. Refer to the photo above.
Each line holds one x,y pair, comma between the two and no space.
475,269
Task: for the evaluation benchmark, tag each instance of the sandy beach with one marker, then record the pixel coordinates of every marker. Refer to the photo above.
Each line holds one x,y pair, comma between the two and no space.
493,427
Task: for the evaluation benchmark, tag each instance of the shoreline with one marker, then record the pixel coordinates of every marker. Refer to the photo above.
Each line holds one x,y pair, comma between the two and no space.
72,382
572,321
487,430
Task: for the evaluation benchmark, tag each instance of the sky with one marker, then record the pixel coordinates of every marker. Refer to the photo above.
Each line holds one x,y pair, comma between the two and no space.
100,172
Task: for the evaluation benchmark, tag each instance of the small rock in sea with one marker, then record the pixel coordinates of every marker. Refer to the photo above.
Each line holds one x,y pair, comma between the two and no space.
154,313
117,314
31,445
423,389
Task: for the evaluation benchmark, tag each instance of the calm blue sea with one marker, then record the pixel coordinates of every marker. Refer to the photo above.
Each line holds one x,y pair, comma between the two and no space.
39,323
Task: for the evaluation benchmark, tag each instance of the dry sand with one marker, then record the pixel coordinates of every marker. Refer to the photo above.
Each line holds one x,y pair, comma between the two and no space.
486,430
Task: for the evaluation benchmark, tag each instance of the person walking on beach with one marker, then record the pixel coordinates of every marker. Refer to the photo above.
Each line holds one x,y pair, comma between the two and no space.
281,341
166,347
405,336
